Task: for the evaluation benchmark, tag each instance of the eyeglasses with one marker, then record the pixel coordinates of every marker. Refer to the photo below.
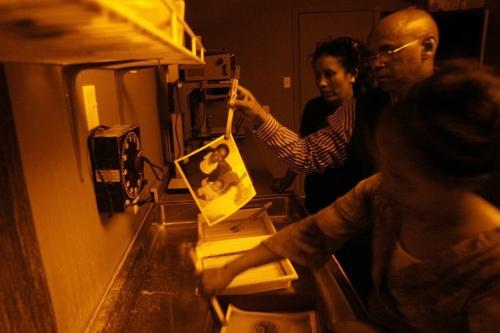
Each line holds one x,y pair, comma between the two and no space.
387,52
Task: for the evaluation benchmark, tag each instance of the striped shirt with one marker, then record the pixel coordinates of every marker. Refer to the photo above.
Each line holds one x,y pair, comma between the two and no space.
326,148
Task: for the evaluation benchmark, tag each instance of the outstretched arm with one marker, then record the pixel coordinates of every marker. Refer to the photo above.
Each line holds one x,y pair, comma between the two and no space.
304,237
323,149
308,242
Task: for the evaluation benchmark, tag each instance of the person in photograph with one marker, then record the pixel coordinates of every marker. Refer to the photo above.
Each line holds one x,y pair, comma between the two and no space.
212,189
235,192
209,190
214,164
206,167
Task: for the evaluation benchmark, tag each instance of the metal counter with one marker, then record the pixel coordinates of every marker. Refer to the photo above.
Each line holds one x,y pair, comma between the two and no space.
154,289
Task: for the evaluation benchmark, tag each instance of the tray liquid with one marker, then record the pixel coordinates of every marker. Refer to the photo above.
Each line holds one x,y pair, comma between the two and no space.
221,231
271,269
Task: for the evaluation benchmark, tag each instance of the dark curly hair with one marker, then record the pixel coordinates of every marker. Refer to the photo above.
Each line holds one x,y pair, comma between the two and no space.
451,122
352,54
224,147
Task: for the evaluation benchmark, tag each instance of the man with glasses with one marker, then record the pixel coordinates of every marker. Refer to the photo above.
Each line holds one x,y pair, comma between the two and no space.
402,46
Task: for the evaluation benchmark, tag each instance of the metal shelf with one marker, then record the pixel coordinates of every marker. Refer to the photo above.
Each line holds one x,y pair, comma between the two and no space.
87,31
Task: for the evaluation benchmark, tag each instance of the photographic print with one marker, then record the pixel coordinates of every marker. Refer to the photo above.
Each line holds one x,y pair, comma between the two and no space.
240,321
217,179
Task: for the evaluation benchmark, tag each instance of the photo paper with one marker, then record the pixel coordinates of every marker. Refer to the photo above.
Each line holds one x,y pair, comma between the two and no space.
217,179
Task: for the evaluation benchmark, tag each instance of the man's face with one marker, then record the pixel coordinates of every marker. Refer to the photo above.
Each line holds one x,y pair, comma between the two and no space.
397,72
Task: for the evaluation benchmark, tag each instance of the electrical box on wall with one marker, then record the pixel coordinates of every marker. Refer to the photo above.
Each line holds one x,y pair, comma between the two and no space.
117,167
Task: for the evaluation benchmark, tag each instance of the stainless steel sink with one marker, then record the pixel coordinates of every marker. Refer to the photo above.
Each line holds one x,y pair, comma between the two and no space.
313,291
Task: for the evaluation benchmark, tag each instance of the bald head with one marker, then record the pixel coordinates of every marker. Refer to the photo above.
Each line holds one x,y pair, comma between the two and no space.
405,43
411,23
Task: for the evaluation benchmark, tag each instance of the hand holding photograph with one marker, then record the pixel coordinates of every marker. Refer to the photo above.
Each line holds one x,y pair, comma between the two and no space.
217,179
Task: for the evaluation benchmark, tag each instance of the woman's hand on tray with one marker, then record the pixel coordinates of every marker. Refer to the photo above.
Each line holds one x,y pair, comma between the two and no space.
214,280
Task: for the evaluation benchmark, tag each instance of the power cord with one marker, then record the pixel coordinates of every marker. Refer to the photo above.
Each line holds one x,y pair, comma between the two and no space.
154,169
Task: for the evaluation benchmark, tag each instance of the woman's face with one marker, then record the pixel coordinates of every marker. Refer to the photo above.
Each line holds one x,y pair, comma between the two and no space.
332,80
